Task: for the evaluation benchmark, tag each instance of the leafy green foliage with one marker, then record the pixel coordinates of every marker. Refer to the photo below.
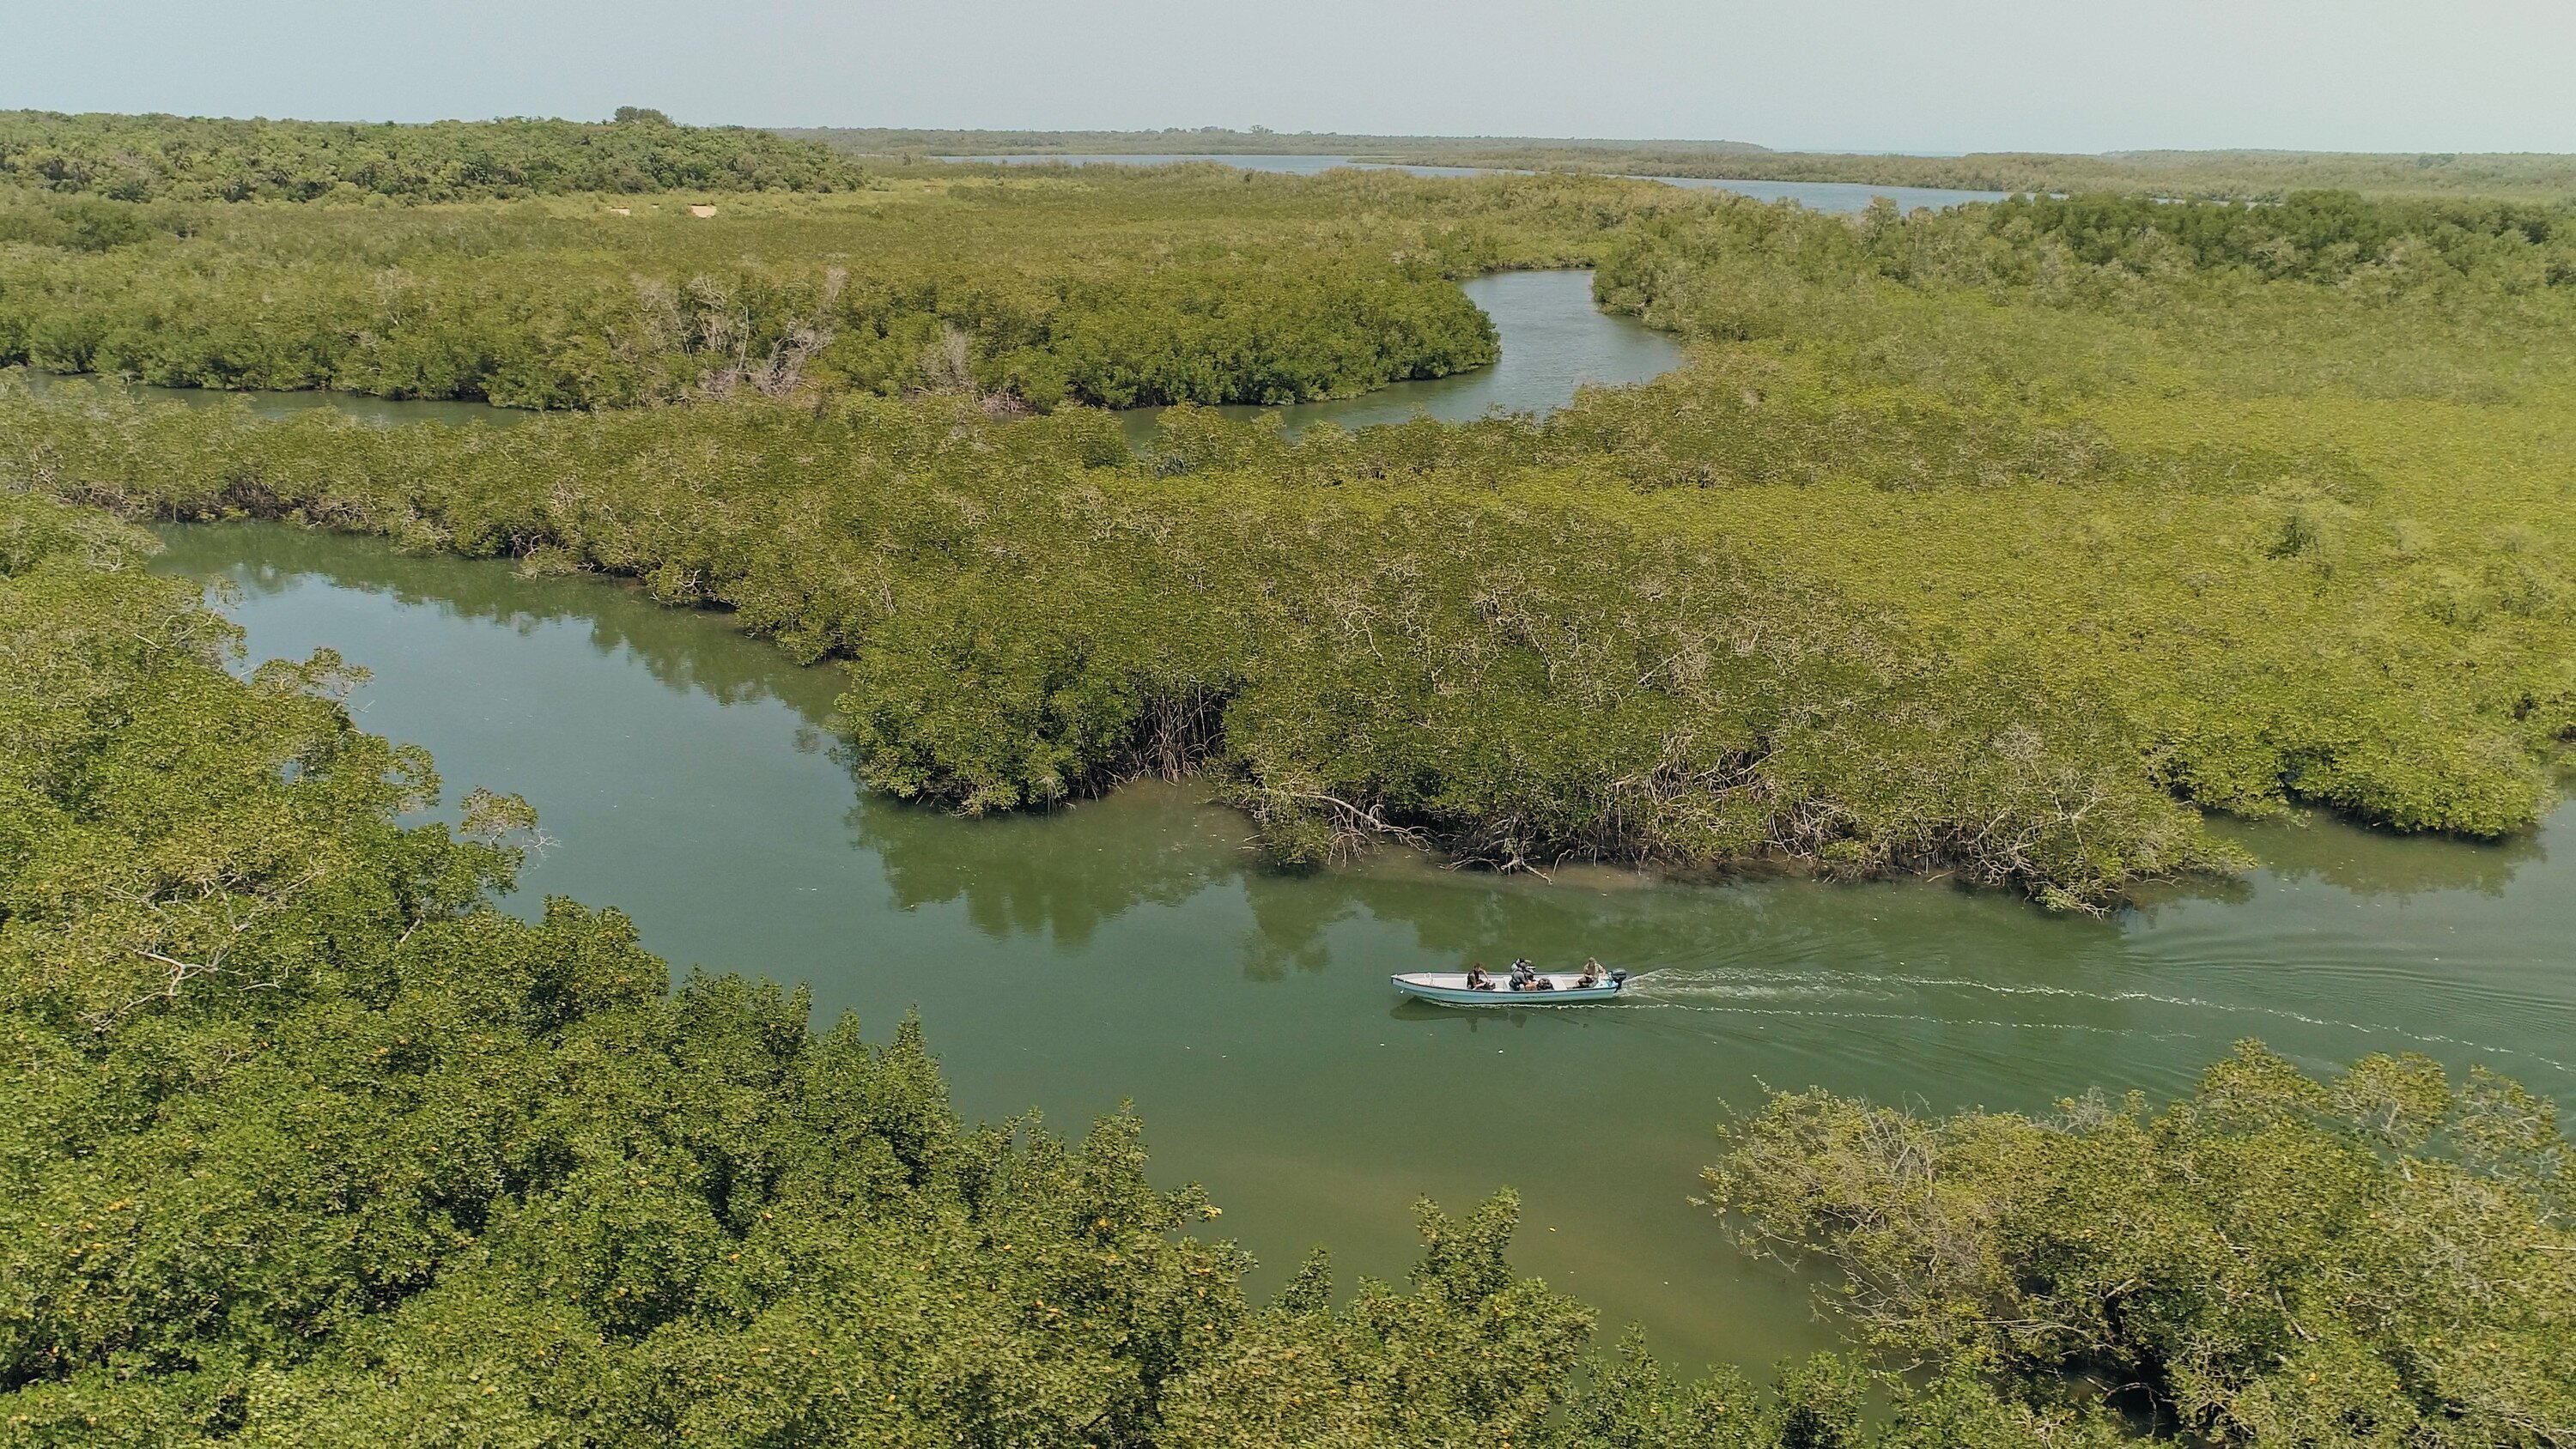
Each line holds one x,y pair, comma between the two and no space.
1116,290
2318,236
1472,1355
307,1144
2379,1257
1367,636
88,224
1995,541
1992,541
197,158
1668,624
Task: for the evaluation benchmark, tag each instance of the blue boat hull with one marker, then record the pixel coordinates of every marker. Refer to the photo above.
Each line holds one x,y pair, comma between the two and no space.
1449,988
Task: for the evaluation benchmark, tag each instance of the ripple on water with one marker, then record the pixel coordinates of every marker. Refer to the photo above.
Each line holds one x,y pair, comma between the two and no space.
1871,996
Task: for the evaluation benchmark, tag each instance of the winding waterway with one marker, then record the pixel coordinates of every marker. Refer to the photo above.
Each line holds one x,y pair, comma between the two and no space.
1128,949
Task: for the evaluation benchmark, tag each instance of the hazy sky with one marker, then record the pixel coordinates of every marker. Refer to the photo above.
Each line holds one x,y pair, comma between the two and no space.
1918,75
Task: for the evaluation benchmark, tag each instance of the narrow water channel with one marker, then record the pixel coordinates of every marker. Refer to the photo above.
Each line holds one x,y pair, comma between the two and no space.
1128,950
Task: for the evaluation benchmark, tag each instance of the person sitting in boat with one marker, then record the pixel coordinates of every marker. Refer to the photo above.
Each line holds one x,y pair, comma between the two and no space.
1591,974
1523,974
1477,977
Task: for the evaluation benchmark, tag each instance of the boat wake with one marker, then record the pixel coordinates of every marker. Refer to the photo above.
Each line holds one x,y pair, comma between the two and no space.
1923,1018
1755,992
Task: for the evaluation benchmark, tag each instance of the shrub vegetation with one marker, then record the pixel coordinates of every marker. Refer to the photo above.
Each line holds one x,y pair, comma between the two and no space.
2001,540
2382,1257
198,158
1108,287
308,1144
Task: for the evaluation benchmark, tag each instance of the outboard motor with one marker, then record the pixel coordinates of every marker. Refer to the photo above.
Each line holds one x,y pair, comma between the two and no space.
1618,978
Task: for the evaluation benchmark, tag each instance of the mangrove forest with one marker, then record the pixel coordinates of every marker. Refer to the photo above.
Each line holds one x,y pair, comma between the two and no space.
2034,545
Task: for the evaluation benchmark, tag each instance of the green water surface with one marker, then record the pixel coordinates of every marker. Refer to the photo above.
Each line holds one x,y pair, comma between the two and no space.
1129,949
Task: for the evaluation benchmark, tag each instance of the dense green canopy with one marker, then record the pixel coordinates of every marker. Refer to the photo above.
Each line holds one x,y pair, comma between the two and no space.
2002,529
1997,542
1993,542
1118,291
142,158
2382,1257
2004,541
305,1143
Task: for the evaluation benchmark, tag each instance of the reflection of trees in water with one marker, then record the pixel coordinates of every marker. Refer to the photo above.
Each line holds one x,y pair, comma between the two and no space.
2377,863
1644,924
1068,874
682,649
1062,874
1458,916
1288,924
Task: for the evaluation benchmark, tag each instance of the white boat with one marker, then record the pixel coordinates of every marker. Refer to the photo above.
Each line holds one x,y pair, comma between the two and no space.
1450,988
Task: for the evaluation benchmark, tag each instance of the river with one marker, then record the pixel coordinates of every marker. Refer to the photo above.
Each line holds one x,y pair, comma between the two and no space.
1128,949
